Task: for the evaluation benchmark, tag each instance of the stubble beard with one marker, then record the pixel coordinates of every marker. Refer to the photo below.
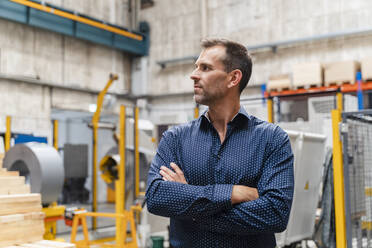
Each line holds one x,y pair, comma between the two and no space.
201,99
207,98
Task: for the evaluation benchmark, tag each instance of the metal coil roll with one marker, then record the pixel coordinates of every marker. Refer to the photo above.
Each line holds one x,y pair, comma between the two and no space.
42,167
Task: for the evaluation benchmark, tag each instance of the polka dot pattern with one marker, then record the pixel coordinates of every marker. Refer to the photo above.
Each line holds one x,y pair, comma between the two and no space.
255,153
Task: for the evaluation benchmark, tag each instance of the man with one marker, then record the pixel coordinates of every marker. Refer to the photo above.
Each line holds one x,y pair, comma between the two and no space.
225,179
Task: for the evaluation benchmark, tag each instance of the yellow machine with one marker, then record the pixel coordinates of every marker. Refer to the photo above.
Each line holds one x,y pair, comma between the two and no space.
122,216
53,213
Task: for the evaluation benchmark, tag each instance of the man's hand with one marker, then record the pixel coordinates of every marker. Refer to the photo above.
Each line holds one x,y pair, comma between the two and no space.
242,193
173,176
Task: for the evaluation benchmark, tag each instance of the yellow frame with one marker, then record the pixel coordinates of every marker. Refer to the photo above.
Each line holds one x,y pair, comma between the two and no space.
136,155
270,110
196,111
338,177
8,133
95,121
55,134
124,217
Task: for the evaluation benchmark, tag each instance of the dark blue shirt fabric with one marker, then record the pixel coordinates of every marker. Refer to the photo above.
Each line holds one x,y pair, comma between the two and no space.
254,153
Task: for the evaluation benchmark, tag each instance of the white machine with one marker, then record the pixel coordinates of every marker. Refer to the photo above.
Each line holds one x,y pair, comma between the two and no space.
309,152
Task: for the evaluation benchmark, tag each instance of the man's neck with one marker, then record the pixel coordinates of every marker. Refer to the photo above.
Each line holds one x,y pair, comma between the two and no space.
221,114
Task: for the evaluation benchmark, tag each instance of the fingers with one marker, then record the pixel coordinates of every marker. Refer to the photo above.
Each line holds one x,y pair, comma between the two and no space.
176,169
173,176
168,174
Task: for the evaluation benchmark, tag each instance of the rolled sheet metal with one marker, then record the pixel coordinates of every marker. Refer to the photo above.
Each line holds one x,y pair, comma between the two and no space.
108,166
42,167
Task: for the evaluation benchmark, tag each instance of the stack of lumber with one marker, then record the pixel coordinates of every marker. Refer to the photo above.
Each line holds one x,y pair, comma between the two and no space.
21,216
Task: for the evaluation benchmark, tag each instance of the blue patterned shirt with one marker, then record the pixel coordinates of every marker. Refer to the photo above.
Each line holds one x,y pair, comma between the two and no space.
254,153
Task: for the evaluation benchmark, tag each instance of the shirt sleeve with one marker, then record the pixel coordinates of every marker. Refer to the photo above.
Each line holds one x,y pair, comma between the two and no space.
270,212
173,199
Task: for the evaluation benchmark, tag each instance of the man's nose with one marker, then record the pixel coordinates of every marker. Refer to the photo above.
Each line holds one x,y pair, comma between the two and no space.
194,76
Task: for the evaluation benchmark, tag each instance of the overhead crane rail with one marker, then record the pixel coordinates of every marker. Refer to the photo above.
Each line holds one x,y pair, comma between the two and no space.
67,22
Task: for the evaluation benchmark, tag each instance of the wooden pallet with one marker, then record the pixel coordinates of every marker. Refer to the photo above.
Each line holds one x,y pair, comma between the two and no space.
279,89
307,86
338,83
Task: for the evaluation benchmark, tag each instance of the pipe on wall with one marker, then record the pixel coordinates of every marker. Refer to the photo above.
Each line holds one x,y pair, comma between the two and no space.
204,18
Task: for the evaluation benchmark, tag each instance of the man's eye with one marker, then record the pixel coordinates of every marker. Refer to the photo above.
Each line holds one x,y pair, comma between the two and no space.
204,67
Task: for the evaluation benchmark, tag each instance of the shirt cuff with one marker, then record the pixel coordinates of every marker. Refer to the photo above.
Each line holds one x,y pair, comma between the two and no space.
222,195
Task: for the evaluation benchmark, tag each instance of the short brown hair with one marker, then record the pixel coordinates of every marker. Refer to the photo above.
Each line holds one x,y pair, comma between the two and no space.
237,57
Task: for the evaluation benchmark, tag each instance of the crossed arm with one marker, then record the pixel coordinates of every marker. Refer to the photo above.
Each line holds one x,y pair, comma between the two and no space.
239,194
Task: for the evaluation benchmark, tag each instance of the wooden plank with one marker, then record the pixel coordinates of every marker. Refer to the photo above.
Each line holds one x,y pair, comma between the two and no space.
19,232
4,172
49,243
12,246
21,228
10,190
20,203
6,181
24,189
44,244
33,245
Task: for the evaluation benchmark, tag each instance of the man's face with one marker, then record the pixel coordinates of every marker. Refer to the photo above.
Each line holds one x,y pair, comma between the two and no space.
209,76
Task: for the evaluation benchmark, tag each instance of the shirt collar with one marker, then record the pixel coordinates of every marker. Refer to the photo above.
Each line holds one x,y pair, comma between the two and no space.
236,119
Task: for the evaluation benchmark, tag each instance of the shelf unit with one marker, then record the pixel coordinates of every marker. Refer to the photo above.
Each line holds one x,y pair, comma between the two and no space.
339,90
344,88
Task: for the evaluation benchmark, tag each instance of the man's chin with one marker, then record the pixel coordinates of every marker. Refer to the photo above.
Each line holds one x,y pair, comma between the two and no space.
199,100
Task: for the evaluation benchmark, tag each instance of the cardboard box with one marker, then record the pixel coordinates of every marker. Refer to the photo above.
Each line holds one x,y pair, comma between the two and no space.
279,83
307,75
366,65
340,72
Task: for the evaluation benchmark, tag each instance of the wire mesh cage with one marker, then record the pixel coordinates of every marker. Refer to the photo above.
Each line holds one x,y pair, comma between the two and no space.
356,132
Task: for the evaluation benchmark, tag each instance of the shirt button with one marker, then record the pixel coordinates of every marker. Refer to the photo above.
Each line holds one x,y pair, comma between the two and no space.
219,156
193,219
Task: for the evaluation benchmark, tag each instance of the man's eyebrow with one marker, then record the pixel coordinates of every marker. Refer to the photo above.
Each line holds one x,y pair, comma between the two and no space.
204,63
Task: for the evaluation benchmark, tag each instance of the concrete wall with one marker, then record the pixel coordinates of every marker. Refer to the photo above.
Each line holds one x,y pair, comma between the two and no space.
176,31
28,53
177,26
113,11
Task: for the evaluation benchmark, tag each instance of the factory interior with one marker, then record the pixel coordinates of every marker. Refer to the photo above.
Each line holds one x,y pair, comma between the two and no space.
88,88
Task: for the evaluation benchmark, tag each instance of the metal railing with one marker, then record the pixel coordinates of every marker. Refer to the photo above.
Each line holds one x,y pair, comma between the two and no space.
356,133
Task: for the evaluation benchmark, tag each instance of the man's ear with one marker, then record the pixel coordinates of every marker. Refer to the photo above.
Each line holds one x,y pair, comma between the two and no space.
235,78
